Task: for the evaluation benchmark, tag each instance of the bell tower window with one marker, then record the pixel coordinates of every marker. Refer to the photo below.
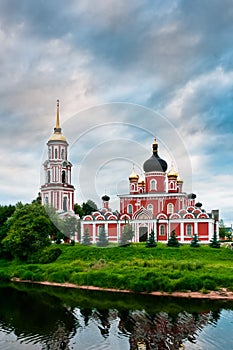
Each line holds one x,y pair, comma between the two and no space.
48,176
63,176
55,153
65,203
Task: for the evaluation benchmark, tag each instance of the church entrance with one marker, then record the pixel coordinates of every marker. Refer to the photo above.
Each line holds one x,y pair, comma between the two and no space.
143,234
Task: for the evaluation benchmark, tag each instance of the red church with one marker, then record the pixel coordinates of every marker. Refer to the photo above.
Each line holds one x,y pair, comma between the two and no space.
156,202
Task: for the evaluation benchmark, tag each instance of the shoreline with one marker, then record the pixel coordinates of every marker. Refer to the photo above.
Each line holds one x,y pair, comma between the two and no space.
223,294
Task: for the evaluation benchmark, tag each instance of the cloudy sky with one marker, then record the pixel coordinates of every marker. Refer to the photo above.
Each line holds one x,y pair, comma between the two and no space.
124,71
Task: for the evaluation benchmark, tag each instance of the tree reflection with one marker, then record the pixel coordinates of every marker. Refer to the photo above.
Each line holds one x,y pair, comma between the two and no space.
162,331
52,317
36,316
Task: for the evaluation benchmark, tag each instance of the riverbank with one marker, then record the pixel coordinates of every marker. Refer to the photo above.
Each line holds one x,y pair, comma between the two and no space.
223,294
134,268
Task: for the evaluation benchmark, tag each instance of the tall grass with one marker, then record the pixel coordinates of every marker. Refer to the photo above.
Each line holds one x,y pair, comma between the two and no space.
135,268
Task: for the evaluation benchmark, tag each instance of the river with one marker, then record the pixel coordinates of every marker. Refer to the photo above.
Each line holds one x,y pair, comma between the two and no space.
36,317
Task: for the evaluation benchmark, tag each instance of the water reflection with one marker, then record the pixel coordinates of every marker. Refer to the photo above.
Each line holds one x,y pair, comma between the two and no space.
56,318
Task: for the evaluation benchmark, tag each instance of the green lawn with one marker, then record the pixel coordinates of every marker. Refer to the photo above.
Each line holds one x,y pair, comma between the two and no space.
134,267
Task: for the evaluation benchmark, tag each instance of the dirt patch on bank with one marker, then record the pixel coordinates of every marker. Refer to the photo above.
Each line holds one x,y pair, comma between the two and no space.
222,294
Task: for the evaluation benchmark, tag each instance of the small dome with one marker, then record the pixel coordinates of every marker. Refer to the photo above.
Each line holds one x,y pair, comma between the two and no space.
179,180
192,196
133,175
141,180
105,198
155,163
198,205
172,172
57,136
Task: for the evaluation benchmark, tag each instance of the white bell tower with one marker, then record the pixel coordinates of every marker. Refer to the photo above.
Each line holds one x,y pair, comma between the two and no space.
57,189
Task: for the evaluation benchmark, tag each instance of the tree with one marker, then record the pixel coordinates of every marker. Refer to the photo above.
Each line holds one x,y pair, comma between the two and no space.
173,242
127,235
103,239
194,242
28,231
89,207
5,213
38,199
214,243
86,238
85,209
69,227
79,230
150,243
78,210
222,229
57,234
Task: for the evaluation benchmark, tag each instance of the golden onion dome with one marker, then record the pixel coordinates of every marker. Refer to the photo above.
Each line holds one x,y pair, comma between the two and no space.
141,180
172,172
133,175
179,180
57,135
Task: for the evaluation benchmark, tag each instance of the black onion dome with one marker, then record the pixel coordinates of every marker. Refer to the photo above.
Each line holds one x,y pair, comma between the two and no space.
155,163
105,198
192,196
198,205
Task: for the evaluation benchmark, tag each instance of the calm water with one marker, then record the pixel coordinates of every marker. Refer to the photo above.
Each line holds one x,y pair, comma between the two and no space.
38,317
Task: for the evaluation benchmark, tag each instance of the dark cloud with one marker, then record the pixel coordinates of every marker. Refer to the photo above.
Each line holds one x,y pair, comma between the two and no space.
174,57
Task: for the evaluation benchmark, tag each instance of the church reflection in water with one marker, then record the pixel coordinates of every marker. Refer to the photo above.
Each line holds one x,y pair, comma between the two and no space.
54,317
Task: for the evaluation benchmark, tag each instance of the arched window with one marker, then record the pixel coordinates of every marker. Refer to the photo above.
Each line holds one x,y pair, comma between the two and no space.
46,200
55,153
65,203
62,153
48,176
132,187
130,208
150,208
153,185
172,185
189,230
170,208
63,176
162,230
50,153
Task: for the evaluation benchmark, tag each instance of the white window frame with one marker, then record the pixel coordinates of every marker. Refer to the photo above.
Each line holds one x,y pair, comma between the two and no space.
153,185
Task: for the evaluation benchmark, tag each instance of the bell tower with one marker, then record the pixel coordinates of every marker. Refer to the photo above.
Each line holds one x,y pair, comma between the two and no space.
57,190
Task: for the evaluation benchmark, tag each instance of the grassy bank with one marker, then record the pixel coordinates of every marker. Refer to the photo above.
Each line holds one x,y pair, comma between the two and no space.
135,268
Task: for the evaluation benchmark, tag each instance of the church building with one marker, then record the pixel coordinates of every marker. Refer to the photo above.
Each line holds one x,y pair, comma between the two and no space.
155,201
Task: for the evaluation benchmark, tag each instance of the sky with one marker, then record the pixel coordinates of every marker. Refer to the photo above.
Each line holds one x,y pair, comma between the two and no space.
124,72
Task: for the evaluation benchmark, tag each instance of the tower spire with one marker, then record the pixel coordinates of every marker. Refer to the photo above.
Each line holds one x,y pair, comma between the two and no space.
57,128
58,117
57,134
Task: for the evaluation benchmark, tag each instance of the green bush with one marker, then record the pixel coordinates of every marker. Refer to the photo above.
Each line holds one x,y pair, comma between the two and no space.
46,256
27,275
60,276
